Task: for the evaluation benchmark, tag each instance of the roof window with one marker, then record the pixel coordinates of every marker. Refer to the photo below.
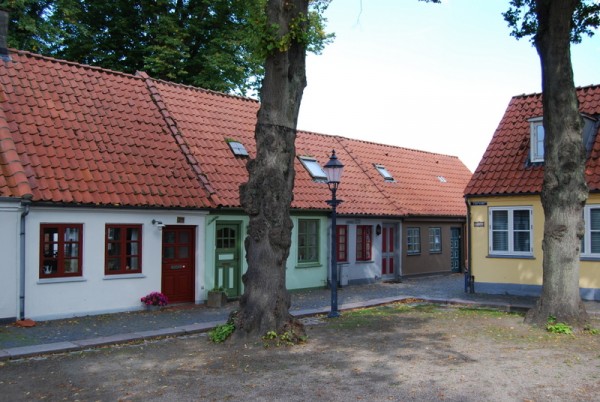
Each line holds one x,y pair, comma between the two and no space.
536,153
442,179
237,148
383,171
314,169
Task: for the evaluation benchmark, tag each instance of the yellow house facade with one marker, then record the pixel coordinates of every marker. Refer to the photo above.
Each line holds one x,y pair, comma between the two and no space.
505,214
519,271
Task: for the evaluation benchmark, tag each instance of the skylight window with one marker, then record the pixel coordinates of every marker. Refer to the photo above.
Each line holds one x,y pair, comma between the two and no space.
537,140
442,179
383,171
237,148
314,169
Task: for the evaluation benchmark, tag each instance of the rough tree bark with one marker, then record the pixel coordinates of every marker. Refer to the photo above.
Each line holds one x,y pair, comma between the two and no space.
564,190
268,194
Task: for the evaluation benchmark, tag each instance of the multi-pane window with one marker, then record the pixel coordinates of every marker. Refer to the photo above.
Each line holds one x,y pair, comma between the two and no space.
591,239
308,240
341,235
123,249
364,236
413,240
435,240
60,250
510,231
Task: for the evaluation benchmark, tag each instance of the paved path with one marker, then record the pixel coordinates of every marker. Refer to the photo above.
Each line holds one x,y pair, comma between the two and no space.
91,331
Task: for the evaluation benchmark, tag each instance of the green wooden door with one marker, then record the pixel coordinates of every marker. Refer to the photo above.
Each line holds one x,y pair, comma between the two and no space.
227,259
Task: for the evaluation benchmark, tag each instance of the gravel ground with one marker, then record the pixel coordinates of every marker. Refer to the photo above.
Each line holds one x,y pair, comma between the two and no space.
394,353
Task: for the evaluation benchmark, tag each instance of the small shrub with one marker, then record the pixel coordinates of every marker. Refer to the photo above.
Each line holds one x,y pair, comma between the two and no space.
558,327
221,332
590,330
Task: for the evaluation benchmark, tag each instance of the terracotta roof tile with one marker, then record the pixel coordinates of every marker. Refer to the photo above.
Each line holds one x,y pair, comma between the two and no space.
75,124
206,120
504,166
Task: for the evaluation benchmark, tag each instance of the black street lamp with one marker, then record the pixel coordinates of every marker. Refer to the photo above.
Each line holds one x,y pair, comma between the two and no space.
333,169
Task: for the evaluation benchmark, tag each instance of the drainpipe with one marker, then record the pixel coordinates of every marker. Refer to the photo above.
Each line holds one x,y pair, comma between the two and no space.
26,202
469,279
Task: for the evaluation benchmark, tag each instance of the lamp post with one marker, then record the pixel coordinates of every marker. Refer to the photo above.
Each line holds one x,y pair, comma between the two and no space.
333,169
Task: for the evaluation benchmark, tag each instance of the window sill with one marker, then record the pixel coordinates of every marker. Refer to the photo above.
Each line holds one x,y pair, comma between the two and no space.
435,252
588,258
61,280
122,276
513,256
309,265
413,254
365,261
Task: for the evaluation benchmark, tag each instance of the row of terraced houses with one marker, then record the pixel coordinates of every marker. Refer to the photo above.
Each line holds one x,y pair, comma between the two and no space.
115,185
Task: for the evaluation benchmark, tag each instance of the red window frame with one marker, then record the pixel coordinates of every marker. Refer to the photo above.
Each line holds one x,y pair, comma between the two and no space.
364,242
122,251
59,252
341,235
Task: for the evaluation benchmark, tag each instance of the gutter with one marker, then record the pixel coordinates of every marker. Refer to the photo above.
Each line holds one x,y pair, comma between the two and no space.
22,251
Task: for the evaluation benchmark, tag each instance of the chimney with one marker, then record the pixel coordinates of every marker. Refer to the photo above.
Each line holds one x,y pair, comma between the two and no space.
4,18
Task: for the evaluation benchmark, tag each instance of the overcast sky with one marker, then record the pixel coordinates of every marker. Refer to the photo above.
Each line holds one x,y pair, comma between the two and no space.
433,77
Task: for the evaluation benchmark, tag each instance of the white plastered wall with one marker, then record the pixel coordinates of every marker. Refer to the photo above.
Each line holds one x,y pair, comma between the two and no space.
94,292
10,213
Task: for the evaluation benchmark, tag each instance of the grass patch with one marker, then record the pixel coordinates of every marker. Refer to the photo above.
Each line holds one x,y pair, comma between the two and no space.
488,312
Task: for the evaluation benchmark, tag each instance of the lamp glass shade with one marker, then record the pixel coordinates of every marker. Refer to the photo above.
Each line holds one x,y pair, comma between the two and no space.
333,169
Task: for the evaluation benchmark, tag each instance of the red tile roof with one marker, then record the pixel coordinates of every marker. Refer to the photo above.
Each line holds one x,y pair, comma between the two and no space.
82,135
504,169
207,119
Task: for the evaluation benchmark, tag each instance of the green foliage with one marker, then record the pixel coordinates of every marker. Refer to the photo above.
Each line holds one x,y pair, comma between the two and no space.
307,30
522,19
221,332
590,330
285,338
558,327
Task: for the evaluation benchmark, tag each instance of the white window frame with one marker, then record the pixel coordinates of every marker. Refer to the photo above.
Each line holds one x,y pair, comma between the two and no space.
413,241
313,168
435,240
587,237
387,176
511,232
535,155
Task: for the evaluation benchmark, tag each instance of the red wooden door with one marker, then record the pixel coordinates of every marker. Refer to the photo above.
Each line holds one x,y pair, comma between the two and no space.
178,268
387,251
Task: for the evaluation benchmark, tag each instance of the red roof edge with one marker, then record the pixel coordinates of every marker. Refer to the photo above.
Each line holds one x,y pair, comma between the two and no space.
11,164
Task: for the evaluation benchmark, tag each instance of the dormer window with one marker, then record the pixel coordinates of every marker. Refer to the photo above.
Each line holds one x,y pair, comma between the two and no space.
537,140
383,171
590,128
237,148
314,169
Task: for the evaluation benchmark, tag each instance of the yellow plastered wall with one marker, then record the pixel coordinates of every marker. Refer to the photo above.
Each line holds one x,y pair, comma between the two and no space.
522,271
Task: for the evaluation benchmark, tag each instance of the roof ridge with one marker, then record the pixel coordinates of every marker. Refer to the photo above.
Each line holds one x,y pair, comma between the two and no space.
172,127
10,162
71,63
579,88
379,144
198,89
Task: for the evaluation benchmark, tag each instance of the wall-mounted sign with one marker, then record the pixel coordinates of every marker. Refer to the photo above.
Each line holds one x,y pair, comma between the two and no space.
180,219
478,202
479,224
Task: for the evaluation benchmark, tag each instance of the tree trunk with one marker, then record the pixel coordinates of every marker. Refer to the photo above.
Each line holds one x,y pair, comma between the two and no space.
564,191
268,194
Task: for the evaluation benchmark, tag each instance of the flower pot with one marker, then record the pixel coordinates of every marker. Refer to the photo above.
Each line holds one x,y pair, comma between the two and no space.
216,299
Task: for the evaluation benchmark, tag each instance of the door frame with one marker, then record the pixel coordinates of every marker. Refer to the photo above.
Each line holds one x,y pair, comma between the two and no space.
192,258
236,291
